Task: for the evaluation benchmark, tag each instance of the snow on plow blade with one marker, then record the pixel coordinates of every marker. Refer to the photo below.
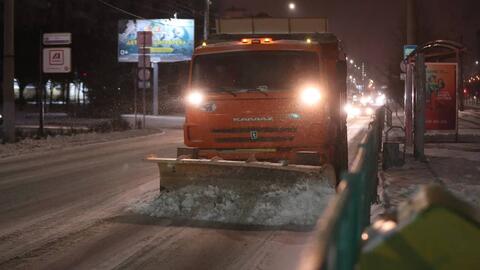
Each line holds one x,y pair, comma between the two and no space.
259,193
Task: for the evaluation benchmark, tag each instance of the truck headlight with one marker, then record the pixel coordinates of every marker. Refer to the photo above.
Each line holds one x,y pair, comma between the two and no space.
310,95
195,98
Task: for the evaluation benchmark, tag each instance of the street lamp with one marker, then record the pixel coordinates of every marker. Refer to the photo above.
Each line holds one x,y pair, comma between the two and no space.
291,6
476,62
351,61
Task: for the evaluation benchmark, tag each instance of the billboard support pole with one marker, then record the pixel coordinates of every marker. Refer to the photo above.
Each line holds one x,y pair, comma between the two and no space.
144,90
155,88
419,124
135,89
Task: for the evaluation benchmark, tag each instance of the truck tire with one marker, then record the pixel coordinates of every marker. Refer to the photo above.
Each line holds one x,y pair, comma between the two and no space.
340,155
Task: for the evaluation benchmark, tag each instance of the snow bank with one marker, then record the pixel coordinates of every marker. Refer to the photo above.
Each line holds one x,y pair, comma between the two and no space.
300,204
29,145
466,192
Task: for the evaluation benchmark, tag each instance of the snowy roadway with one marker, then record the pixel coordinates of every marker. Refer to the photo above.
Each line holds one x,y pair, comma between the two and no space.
65,209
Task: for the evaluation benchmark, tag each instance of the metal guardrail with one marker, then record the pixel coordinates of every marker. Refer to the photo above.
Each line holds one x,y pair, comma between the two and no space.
338,238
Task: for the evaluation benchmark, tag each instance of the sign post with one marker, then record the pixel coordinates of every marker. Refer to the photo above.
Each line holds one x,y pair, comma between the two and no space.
53,39
57,60
155,89
144,42
408,49
53,59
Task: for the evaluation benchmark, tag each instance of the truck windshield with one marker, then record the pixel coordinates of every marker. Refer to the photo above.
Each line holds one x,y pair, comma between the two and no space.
255,70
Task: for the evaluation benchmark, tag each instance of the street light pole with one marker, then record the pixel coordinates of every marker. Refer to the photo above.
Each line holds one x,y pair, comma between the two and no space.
419,125
8,72
411,40
411,23
206,20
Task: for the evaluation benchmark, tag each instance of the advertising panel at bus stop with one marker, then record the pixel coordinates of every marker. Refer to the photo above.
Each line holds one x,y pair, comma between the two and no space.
173,39
441,99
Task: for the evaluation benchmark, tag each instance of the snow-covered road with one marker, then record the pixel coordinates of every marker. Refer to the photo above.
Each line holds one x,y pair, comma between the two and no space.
65,209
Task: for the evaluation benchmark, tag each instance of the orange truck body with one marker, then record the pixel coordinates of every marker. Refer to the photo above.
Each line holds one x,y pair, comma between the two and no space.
274,126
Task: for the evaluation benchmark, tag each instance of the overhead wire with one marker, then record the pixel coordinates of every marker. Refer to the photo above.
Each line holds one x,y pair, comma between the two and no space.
120,10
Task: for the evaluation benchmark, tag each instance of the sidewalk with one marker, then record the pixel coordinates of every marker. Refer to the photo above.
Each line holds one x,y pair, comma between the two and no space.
157,121
453,165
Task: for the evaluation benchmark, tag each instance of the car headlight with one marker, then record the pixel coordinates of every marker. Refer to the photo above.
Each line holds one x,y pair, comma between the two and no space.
380,100
348,108
369,111
194,98
310,96
351,110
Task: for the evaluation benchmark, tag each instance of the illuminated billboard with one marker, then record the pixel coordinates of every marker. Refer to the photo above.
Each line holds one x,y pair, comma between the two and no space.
441,96
173,39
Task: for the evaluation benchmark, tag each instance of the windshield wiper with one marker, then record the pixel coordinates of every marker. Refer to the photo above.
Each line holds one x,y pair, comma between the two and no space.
261,88
224,89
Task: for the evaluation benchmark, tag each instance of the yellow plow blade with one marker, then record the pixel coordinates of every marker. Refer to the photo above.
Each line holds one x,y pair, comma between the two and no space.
254,176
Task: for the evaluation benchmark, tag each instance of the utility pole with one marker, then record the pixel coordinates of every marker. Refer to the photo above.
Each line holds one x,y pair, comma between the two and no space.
8,72
411,22
206,20
419,129
411,40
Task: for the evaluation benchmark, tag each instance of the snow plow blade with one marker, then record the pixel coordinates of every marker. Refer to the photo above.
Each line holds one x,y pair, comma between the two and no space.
238,192
238,175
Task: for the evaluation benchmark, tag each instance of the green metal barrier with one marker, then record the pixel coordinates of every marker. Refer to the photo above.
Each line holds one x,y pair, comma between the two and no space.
339,231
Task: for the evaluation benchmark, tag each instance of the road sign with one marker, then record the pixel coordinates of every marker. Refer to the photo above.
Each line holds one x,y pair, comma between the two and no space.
408,49
144,39
141,84
144,74
144,61
57,38
57,60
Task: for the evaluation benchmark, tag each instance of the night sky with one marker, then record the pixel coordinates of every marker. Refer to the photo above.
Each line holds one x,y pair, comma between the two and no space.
374,30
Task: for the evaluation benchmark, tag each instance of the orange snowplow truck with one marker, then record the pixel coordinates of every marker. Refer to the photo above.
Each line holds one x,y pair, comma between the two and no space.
263,106
268,97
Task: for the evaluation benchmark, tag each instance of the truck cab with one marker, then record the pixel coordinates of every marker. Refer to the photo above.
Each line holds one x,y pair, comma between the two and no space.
268,97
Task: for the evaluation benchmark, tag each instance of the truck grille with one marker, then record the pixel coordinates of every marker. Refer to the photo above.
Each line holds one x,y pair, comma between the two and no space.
260,139
263,134
258,129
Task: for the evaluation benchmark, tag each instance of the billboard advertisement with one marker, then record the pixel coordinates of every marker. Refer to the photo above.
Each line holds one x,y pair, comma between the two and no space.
441,98
173,39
